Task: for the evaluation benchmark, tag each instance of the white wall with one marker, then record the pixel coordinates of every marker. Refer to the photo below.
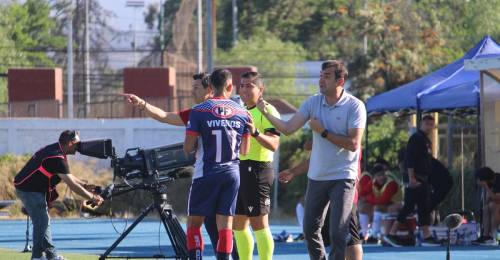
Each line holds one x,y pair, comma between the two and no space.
21,136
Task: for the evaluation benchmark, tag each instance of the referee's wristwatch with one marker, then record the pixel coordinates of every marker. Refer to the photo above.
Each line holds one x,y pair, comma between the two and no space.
255,133
324,134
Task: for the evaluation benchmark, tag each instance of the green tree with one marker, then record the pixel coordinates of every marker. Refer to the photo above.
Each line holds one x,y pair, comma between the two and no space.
275,59
385,139
9,55
31,27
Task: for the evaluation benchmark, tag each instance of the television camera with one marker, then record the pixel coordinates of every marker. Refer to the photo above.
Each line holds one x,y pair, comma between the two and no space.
157,164
153,168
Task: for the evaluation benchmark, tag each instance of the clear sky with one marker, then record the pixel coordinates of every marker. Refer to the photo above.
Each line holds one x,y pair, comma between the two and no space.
123,20
125,15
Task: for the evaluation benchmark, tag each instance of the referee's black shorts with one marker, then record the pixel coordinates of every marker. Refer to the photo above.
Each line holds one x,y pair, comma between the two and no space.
254,195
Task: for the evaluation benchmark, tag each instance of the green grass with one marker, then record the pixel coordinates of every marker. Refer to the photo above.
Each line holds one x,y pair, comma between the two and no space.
16,255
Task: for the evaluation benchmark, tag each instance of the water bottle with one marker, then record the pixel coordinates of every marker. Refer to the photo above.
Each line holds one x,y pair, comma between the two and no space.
418,238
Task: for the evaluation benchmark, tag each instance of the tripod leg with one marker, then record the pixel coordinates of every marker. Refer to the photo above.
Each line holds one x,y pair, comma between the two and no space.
127,231
27,246
175,232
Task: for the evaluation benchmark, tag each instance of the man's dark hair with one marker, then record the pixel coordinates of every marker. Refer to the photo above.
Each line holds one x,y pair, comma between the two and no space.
340,69
485,174
254,76
219,78
68,135
427,117
204,77
378,168
383,163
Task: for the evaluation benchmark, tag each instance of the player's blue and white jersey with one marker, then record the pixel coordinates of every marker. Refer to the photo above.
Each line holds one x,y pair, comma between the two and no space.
220,124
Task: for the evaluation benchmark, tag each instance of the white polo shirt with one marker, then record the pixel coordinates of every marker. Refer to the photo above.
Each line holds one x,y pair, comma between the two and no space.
329,161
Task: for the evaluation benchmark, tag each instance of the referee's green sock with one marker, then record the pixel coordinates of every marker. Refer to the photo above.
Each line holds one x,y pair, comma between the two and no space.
265,243
244,243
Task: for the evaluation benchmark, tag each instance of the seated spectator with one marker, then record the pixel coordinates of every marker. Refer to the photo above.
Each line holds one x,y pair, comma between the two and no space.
385,197
365,209
490,182
379,195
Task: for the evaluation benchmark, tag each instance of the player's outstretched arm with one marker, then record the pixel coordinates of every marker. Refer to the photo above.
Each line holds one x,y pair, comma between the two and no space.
154,112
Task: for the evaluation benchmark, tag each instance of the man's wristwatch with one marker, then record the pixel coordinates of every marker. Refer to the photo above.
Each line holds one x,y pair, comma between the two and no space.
255,133
324,134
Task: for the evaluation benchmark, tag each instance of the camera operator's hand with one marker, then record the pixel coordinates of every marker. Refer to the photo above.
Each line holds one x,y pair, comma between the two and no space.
92,188
96,200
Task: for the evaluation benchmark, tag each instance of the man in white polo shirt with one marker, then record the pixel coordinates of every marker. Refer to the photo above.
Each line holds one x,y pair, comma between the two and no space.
338,120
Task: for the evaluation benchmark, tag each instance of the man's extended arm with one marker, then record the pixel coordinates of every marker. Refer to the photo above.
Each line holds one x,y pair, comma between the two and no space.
156,113
286,127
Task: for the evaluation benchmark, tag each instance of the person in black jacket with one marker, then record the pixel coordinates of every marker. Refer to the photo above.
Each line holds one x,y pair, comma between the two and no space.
418,165
36,188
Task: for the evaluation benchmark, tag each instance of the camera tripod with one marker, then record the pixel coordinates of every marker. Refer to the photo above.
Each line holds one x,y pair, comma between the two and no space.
172,226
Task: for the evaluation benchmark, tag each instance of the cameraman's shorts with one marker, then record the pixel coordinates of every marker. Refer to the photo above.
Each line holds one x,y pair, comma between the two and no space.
214,193
254,197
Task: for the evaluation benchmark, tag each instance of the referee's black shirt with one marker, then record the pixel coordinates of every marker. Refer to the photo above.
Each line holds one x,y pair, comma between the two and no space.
418,156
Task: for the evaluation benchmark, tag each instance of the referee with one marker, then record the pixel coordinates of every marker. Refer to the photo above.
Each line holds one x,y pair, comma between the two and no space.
256,175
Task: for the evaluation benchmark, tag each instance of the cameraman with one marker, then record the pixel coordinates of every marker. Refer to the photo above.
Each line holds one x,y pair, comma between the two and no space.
36,188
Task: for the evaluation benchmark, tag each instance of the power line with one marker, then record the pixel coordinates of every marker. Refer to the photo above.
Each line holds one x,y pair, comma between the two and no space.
127,50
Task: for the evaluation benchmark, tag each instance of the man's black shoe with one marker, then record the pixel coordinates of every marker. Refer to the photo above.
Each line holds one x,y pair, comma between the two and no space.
392,240
430,241
481,240
372,240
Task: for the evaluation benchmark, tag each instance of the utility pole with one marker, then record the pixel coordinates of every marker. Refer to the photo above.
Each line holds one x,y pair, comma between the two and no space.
86,61
235,22
161,29
209,36
69,65
134,4
199,12
365,37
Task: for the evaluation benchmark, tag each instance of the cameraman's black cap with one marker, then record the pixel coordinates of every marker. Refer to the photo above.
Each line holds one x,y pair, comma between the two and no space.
69,135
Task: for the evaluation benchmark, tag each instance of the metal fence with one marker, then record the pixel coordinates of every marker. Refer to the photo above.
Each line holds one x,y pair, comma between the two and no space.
110,108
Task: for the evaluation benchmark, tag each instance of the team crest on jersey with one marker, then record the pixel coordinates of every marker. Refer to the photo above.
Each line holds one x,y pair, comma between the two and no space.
223,111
